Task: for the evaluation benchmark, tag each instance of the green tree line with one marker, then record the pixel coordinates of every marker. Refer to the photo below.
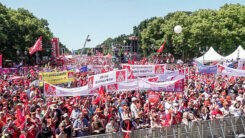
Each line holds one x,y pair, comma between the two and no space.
224,29
19,30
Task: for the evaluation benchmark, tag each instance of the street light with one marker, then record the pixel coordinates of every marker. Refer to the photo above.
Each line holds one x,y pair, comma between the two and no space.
202,52
178,30
18,52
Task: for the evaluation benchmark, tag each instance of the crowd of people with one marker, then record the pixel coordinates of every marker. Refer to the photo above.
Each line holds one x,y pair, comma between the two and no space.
27,113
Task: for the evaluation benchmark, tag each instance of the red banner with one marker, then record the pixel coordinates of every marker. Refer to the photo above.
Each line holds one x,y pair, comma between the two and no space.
38,46
1,61
55,47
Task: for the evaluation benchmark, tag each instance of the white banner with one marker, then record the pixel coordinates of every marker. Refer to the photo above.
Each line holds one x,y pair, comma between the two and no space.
175,85
143,84
107,78
52,90
96,68
173,75
145,70
240,64
222,70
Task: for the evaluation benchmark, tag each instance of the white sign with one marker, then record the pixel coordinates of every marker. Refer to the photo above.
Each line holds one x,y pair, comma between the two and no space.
107,78
145,70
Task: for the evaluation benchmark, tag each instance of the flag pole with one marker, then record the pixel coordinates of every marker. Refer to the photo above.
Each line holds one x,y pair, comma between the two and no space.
37,58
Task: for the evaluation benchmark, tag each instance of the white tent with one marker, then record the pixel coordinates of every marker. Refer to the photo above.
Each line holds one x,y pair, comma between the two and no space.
210,56
238,53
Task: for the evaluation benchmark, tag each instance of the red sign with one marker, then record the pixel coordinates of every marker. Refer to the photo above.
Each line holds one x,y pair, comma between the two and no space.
153,97
120,76
70,74
1,61
55,47
90,82
50,90
159,69
112,87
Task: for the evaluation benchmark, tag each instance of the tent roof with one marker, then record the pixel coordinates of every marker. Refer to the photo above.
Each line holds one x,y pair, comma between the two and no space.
210,56
238,53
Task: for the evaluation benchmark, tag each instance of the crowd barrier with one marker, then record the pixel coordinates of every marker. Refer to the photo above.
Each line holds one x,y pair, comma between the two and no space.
232,127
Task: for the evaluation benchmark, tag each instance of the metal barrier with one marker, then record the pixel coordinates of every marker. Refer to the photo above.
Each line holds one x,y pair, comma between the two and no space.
224,128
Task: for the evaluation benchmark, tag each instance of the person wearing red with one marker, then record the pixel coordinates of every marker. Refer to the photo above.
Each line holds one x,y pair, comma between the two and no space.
12,129
216,113
29,127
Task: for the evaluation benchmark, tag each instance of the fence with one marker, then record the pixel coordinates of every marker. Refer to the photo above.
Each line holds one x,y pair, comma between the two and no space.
225,128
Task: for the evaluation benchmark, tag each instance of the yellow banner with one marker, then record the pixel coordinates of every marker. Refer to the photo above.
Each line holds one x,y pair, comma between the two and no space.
56,77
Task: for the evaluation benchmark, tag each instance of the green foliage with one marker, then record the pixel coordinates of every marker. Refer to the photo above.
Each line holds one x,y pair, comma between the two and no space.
224,29
19,30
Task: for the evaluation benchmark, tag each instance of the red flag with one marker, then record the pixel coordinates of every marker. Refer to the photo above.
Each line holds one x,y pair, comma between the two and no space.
102,92
96,100
161,48
20,116
143,61
129,61
133,61
38,46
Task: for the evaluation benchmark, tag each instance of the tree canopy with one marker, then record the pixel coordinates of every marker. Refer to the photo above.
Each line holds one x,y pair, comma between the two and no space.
224,29
19,29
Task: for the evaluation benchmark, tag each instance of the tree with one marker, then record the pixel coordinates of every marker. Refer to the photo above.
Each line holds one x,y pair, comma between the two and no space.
224,29
19,30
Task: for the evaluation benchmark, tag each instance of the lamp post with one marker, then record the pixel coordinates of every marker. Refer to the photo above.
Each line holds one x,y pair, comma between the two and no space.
18,52
178,30
202,52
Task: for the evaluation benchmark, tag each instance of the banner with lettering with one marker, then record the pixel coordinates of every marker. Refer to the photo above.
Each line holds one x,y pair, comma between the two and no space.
223,70
172,75
206,69
143,84
145,70
51,90
56,77
96,68
83,69
174,86
107,78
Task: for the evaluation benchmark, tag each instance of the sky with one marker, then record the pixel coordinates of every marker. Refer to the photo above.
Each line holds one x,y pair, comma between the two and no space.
72,20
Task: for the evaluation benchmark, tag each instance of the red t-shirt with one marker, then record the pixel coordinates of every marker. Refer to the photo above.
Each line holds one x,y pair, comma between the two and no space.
30,134
13,132
216,114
